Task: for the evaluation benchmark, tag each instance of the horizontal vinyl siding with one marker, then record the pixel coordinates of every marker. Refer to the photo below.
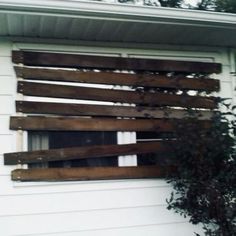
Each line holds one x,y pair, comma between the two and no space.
124,207
89,220
7,105
183,229
100,208
7,101
57,202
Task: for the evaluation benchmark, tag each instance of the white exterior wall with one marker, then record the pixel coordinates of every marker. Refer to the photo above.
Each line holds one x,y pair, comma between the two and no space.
85,208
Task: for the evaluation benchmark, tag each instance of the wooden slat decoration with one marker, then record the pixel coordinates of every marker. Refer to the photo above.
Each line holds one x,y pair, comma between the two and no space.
112,95
111,78
93,124
90,173
69,109
157,108
114,63
84,152
87,124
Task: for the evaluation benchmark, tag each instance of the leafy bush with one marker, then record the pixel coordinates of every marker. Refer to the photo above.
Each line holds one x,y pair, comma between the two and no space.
205,180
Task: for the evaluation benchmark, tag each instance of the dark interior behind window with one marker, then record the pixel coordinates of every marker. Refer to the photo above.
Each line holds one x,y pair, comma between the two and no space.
67,139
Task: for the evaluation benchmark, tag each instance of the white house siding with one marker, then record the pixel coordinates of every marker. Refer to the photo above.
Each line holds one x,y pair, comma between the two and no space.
121,207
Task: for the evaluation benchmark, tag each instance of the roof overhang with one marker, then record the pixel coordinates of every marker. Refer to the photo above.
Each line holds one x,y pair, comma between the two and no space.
107,22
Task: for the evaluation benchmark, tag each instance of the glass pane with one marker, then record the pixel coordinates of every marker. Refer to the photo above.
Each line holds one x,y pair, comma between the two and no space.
62,139
76,139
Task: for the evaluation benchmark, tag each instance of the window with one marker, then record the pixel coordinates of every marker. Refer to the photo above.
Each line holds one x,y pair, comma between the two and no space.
63,139
80,139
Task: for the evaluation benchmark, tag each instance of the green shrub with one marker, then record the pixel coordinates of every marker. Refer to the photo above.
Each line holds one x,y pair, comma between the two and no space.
205,181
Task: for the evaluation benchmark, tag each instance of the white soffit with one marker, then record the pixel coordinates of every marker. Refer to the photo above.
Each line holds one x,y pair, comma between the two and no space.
99,21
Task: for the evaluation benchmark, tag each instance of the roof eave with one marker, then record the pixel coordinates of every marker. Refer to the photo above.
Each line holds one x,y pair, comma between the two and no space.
126,12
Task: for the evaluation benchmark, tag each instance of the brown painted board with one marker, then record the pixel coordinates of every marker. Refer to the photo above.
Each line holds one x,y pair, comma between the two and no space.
87,124
70,109
112,95
111,78
84,152
93,124
113,63
89,173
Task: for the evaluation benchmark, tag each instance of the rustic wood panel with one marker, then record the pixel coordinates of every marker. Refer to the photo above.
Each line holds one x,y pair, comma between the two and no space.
84,152
94,124
100,62
88,124
106,75
111,95
89,173
136,80
106,110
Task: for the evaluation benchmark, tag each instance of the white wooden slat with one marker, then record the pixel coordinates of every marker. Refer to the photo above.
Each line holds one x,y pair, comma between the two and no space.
47,23
173,34
3,28
15,24
8,85
215,37
226,89
82,201
19,188
150,32
5,172
92,29
6,67
4,125
62,28
77,28
31,25
187,33
7,143
133,31
115,31
119,31
225,75
87,220
5,46
182,228
105,30
7,106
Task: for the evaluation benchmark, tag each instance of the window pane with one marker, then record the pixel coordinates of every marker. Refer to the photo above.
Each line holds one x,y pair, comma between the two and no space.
38,141
160,159
64,139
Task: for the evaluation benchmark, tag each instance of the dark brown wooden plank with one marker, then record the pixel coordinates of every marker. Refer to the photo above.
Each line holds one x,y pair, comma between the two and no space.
100,62
135,80
106,110
94,124
88,124
90,173
112,95
84,152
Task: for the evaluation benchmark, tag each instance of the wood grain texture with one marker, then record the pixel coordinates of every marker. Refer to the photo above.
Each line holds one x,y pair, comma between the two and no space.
68,109
88,124
89,173
112,95
111,78
84,152
96,124
101,62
